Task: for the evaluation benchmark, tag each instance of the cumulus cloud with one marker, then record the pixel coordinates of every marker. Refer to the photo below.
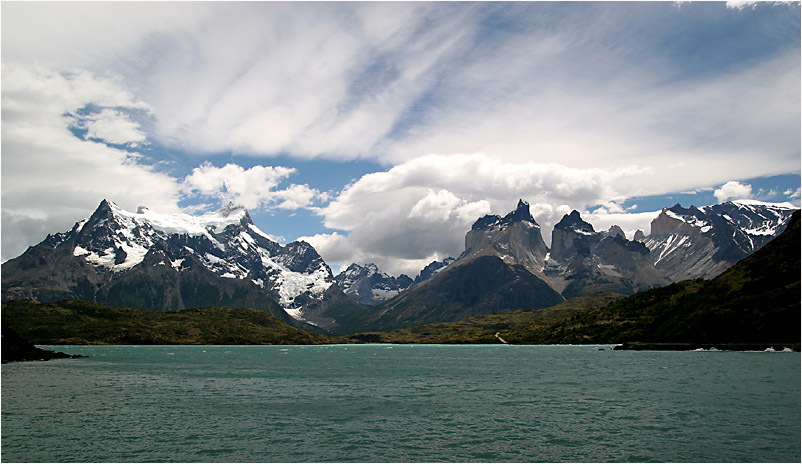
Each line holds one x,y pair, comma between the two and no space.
255,187
420,210
52,178
629,222
733,190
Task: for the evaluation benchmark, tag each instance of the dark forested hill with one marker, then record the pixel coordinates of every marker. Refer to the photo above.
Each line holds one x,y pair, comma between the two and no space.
79,322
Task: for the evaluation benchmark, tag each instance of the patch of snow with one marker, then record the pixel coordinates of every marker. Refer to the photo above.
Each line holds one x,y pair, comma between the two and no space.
384,294
750,203
106,259
671,244
79,251
80,225
291,284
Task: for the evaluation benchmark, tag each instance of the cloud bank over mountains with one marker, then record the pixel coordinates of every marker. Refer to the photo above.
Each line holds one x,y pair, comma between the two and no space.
464,107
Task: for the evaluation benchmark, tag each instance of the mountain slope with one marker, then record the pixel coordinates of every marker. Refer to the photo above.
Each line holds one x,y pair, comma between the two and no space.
757,300
149,260
370,286
79,322
688,243
479,285
583,261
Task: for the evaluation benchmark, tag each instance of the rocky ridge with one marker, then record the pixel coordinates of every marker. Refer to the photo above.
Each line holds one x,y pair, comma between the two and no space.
150,260
369,286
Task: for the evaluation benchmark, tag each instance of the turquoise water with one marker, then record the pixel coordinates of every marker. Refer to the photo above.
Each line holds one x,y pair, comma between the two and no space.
401,403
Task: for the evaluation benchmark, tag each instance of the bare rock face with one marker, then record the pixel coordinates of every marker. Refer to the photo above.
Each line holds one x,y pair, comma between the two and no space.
432,269
689,243
590,261
515,238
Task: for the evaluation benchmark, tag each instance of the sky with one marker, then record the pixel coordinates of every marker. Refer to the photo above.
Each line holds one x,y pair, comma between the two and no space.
379,132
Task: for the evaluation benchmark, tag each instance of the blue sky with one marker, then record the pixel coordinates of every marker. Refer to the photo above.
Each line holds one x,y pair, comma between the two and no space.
379,132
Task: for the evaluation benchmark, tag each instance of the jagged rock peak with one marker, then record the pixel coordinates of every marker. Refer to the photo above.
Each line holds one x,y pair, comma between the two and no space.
639,236
520,214
573,221
615,231
433,268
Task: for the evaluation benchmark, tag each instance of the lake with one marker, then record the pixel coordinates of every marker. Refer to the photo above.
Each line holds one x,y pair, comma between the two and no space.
401,403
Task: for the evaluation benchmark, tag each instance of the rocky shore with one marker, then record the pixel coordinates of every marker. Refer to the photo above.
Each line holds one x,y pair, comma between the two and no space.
15,348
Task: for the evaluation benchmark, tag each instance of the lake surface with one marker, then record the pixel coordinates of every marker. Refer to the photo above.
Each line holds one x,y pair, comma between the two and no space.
401,403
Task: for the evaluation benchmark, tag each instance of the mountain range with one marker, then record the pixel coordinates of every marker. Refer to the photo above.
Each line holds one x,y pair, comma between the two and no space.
148,260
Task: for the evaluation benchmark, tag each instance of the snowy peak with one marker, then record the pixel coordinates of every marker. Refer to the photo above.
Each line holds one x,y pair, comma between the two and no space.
685,221
695,242
433,268
573,223
368,285
225,242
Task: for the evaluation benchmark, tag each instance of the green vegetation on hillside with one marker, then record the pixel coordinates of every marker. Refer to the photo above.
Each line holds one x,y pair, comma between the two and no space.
77,322
483,329
755,301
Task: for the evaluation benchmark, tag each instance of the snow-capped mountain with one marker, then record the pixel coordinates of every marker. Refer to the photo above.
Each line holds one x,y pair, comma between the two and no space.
149,260
113,245
370,286
432,269
688,243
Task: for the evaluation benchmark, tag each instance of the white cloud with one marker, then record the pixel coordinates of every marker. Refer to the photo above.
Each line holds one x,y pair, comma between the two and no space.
421,209
393,81
255,187
338,252
111,126
629,222
50,177
733,190
575,105
741,4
